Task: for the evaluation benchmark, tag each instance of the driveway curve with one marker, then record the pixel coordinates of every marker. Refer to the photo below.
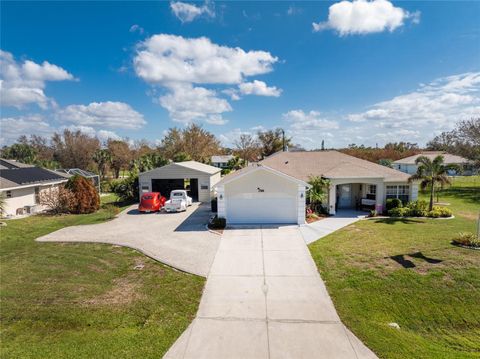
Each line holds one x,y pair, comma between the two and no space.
179,240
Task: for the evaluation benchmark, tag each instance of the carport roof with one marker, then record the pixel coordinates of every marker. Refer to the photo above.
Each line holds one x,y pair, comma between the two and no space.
193,165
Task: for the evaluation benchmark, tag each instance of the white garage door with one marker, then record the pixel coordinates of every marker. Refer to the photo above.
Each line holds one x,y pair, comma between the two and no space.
262,208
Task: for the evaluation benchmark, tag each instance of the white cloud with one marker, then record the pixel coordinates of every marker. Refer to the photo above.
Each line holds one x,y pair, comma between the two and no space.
186,103
300,121
14,127
186,12
259,88
435,105
178,64
136,28
364,17
24,83
163,59
102,114
293,10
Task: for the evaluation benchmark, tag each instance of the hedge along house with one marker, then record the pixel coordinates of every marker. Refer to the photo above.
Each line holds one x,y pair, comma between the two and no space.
274,191
198,178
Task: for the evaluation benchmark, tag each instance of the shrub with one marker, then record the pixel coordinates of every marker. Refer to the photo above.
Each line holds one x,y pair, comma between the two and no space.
110,210
106,186
437,212
417,209
218,223
467,239
127,189
225,171
373,213
393,203
399,212
86,198
57,199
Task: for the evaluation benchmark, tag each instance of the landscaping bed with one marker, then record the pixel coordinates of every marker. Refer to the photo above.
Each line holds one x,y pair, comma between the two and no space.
71,300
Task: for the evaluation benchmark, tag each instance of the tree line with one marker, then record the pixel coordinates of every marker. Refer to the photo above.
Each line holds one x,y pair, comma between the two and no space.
76,149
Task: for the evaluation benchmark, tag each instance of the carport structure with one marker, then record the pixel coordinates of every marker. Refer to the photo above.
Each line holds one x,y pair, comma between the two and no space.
198,178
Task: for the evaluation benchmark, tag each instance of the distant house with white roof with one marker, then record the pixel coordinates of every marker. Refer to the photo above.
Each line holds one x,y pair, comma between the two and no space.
409,166
221,160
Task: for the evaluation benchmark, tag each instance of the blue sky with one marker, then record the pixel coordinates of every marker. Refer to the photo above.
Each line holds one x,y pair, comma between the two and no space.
347,72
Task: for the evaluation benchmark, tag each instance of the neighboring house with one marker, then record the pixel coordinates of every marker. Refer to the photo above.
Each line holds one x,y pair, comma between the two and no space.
408,165
221,161
22,186
275,190
198,178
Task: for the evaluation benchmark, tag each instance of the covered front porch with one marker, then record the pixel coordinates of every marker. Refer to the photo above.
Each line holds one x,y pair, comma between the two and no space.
344,195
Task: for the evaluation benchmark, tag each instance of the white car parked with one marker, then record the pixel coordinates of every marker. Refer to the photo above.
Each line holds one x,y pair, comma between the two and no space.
179,201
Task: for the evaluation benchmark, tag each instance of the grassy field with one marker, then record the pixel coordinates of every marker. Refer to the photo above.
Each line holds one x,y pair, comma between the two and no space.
87,300
407,271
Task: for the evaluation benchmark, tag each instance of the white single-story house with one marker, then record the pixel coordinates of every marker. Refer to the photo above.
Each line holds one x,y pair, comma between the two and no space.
221,161
22,186
409,166
275,190
198,178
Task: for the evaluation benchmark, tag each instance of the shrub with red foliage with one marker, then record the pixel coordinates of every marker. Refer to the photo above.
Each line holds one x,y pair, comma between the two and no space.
86,198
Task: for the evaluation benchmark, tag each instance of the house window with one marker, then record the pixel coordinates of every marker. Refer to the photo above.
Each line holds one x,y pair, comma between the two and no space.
204,186
9,194
371,191
400,192
37,195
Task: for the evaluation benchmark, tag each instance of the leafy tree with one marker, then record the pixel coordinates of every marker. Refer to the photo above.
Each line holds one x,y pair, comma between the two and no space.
247,148
386,162
272,141
148,162
102,158
199,144
317,192
181,157
86,196
74,149
432,172
21,152
236,163
121,155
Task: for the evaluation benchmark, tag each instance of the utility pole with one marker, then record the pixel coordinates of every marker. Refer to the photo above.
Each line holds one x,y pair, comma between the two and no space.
283,140
323,145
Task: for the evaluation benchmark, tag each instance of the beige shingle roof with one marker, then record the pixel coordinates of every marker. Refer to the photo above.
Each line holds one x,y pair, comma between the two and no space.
330,164
447,158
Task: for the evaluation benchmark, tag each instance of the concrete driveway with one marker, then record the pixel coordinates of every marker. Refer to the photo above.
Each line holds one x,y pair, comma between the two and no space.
264,298
177,239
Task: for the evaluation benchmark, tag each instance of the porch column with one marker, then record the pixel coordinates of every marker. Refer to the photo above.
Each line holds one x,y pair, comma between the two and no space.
221,202
380,197
413,195
332,198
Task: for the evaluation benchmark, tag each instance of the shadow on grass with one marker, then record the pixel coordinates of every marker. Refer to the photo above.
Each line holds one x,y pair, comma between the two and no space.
406,263
394,220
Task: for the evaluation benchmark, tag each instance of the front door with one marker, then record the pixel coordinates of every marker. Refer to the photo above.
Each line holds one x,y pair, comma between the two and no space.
345,196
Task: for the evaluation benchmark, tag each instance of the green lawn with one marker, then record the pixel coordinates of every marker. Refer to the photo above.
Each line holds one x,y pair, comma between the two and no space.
87,300
406,271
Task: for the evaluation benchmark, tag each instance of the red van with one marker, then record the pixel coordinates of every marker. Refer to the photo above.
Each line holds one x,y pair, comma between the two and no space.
151,202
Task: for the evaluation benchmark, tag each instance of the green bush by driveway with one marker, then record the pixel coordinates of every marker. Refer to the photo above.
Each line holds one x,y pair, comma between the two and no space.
87,300
406,271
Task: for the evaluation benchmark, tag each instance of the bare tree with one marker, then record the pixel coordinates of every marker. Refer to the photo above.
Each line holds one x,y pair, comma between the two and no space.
57,199
121,155
247,148
74,149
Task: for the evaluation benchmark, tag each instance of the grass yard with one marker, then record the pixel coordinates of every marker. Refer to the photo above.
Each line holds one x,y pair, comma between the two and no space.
406,271
87,300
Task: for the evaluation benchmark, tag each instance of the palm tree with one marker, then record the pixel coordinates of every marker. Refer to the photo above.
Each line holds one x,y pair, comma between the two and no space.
430,172
102,157
318,191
